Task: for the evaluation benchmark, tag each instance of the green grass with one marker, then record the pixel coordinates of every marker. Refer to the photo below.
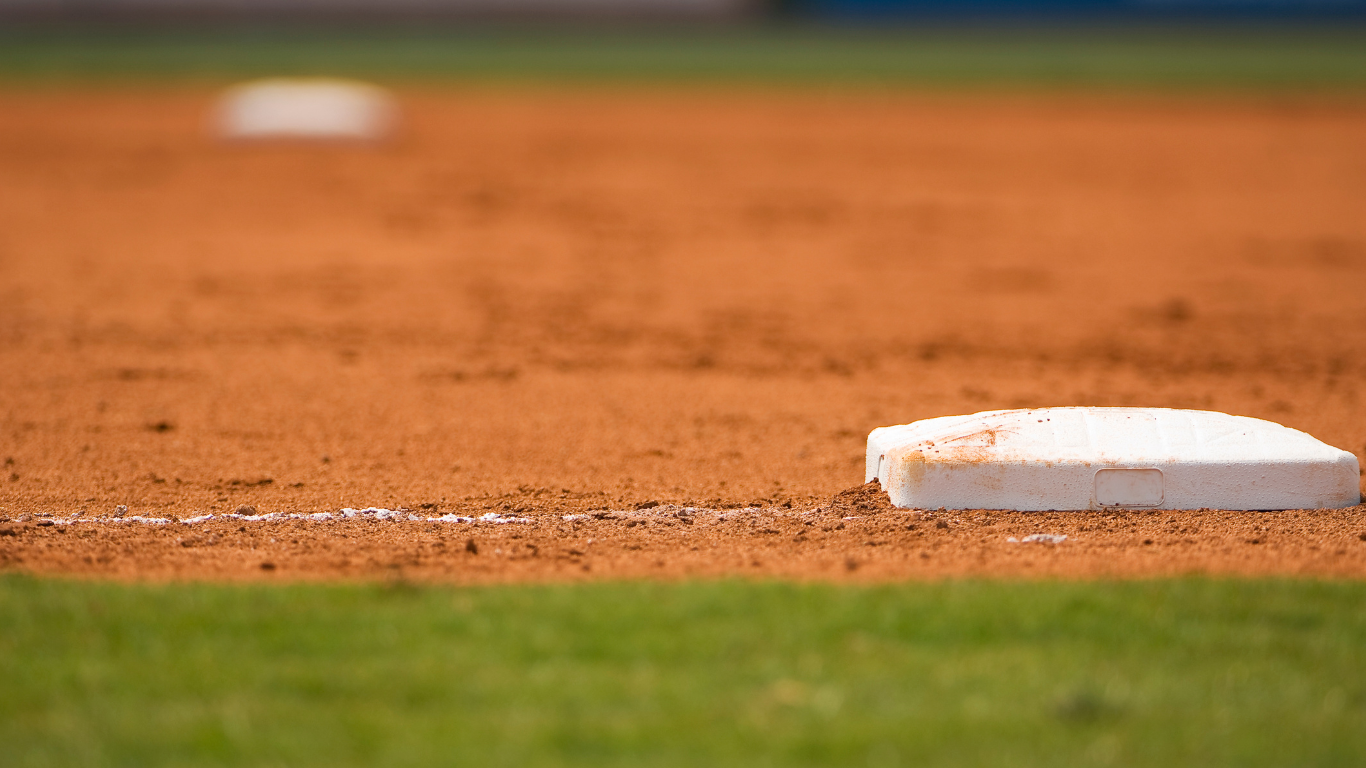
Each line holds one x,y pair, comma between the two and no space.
1161,673
1193,57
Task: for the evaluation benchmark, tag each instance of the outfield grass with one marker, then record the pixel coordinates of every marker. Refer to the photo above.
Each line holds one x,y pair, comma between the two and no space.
1162,673
1198,57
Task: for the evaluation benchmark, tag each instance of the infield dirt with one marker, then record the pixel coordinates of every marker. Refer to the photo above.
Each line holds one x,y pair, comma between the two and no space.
578,302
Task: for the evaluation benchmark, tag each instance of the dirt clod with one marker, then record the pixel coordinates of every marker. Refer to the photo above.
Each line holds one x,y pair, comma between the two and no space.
866,499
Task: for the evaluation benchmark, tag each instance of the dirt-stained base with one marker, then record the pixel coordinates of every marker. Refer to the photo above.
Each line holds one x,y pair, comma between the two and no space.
548,303
856,536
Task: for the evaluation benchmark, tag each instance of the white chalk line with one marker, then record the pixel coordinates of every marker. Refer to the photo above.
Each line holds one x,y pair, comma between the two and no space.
660,512
1039,538
370,513
405,515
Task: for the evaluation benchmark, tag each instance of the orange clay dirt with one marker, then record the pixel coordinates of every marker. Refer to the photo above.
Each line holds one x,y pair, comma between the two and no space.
618,305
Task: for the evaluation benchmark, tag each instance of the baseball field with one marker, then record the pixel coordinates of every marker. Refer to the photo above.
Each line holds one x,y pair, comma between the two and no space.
534,435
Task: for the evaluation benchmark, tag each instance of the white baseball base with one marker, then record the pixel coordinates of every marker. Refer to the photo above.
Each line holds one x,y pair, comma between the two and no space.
1099,458
309,109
